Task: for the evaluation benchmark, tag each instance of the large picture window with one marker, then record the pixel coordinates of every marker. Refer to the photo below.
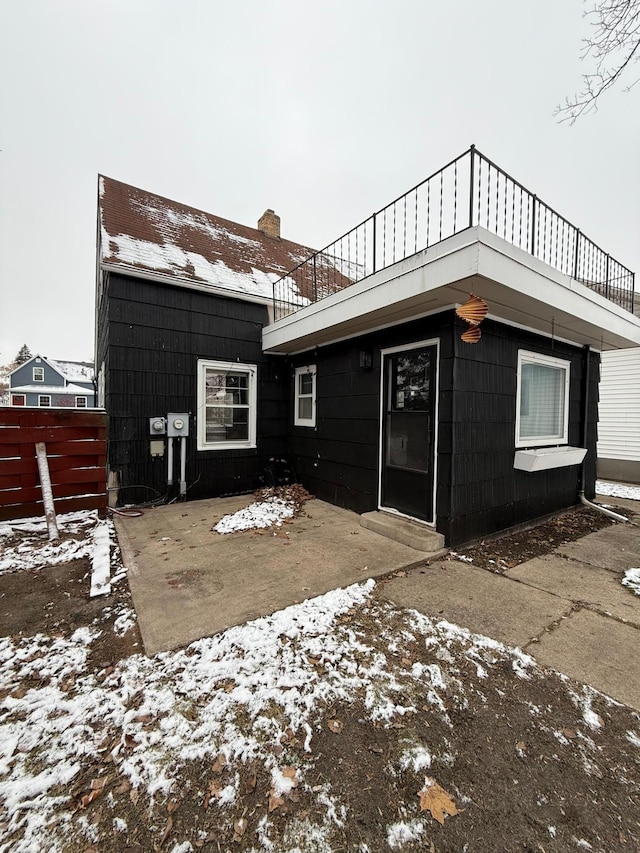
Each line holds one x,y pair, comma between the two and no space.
305,396
226,405
542,404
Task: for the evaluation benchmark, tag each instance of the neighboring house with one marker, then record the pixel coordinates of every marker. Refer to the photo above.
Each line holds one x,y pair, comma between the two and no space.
354,367
619,421
47,383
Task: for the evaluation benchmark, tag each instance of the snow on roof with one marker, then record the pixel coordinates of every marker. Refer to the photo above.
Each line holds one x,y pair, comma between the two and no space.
74,371
146,232
50,389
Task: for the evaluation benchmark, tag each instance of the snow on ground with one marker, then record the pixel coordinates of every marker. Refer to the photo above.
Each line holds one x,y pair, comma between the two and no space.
618,490
34,551
631,580
262,514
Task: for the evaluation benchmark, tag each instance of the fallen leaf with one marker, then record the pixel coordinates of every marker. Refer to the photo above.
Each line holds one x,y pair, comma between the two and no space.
123,787
134,796
240,827
405,662
96,789
521,745
219,764
214,790
436,800
335,726
172,805
274,801
291,773
251,782
167,831
569,733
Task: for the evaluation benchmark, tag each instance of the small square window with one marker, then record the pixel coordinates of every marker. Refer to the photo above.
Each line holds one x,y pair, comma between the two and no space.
38,374
44,400
542,403
18,400
81,402
305,396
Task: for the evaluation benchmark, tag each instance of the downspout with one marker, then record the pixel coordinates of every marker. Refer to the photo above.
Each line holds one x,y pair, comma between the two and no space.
585,430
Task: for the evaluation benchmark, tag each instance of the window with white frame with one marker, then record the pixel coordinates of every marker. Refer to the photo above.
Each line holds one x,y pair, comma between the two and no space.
227,404
305,396
38,374
542,403
81,402
44,400
18,400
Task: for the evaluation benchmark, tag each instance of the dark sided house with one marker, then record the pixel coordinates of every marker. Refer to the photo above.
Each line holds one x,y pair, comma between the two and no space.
45,383
354,364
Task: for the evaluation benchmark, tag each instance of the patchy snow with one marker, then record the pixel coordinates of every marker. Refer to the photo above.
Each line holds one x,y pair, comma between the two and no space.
263,514
618,490
35,551
401,833
631,580
100,560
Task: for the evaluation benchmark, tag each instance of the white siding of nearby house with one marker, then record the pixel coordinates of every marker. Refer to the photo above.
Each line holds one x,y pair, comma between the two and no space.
619,415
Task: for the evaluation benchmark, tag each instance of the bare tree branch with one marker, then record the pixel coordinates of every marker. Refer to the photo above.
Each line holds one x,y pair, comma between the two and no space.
613,46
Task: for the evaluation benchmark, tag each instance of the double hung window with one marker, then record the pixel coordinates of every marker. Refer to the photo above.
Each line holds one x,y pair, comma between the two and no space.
305,396
38,374
226,405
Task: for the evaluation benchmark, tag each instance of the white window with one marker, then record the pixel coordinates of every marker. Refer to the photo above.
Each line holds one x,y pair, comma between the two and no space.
44,400
226,405
305,396
18,400
38,374
81,402
542,403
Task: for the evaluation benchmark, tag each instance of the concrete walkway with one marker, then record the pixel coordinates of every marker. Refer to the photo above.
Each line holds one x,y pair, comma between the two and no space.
568,609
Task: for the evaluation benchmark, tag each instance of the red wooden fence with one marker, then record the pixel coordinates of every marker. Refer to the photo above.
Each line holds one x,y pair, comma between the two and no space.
76,452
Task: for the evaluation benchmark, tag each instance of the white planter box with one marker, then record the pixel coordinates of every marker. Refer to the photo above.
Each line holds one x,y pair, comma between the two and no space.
548,457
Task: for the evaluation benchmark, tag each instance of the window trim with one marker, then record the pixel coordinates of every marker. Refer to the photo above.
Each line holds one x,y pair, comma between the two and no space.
40,370
252,370
526,357
305,370
23,397
42,397
82,405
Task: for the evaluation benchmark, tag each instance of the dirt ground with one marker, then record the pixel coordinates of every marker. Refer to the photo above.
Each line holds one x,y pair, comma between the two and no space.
529,774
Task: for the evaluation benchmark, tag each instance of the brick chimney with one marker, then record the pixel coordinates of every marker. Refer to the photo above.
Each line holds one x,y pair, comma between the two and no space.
269,224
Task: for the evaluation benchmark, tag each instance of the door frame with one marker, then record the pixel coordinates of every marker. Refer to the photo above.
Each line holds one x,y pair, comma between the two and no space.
383,370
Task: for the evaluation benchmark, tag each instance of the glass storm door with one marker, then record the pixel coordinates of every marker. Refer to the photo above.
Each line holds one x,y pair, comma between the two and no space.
408,432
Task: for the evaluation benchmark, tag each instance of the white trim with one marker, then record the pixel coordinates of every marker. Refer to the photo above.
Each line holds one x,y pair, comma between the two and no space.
252,371
526,357
305,370
383,354
212,289
44,405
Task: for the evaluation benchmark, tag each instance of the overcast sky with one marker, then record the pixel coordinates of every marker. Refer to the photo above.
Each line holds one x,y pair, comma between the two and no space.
324,111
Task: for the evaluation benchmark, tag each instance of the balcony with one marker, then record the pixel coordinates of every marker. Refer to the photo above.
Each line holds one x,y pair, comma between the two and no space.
471,193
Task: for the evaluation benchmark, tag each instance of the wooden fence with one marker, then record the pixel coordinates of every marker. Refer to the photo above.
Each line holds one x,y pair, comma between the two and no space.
76,451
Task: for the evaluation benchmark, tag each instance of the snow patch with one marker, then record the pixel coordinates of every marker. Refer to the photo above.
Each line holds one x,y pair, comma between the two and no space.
617,490
631,580
259,515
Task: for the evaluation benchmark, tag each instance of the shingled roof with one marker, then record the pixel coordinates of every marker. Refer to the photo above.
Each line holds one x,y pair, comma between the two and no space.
144,232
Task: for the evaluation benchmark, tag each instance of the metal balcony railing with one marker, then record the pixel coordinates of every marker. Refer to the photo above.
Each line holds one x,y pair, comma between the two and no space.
470,190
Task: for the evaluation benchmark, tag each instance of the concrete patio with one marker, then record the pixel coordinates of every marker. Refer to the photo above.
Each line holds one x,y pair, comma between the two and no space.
568,609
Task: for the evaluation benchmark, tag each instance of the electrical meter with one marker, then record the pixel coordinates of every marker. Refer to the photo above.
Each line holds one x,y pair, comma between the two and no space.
177,424
157,426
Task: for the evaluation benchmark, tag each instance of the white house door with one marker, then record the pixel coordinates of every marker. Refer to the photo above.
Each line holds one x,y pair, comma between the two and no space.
408,431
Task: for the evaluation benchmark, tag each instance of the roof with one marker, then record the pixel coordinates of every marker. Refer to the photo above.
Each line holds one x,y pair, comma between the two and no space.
146,232
51,389
72,371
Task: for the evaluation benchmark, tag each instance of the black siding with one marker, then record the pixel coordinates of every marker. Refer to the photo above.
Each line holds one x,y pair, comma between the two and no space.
151,340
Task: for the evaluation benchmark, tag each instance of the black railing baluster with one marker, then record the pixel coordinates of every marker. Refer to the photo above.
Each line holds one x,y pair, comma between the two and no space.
472,160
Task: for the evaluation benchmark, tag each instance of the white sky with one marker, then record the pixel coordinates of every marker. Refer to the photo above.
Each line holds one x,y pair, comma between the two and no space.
324,111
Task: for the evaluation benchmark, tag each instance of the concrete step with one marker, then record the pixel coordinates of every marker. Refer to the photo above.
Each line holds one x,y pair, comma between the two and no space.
407,532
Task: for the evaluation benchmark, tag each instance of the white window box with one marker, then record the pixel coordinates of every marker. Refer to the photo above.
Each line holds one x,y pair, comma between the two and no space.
543,458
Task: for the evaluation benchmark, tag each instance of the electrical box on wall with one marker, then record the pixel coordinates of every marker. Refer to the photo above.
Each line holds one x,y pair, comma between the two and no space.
177,424
157,426
156,447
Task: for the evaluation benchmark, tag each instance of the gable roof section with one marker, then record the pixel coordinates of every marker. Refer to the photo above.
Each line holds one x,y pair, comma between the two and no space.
144,232
70,371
